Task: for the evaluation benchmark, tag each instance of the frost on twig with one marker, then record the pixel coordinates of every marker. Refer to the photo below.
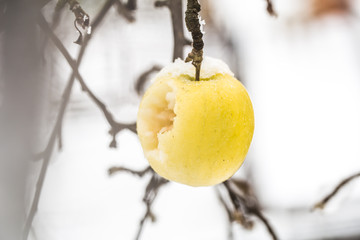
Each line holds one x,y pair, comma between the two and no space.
151,191
193,24
81,17
242,205
322,203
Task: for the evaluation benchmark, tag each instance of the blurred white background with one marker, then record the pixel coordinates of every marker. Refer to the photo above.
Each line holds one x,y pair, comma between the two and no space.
302,73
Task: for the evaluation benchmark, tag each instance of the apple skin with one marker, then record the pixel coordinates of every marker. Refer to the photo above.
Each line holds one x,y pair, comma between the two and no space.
196,132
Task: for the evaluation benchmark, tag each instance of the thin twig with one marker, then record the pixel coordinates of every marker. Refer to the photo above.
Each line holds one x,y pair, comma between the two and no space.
229,213
193,25
142,79
50,146
46,157
151,191
81,17
141,173
270,8
246,204
116,127
131,5
322,203
124,11
176,10
59,137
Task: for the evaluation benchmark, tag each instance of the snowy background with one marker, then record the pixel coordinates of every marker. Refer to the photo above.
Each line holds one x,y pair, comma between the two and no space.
303,76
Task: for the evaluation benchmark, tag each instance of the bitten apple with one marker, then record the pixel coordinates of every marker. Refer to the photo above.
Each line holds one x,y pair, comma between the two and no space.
196,132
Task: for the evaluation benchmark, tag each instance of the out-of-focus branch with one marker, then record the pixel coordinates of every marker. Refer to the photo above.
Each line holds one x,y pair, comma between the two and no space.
141,173
176,10
151,191
343,183
131,5
140,82
50,146
270,8
46,155
243,205
229,213
115,126
125,11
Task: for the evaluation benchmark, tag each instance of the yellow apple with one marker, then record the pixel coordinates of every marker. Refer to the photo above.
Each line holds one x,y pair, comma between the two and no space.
196,132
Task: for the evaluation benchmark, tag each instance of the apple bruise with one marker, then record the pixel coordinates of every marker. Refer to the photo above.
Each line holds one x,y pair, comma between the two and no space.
158,118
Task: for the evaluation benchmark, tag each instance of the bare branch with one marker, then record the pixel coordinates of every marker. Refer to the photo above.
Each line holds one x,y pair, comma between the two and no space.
140,82
50,146
270,8
245,204
81,17
151,191
141,173
164,3
124,11
131,5
176,10
115,126
343,183
46,157
229,213
59,137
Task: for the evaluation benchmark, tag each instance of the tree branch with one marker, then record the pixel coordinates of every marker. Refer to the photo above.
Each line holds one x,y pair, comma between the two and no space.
245,204
46,157
151,191
229,213
50,146
176,11
270,8
131,5
81,17
343,183
124,10
140,82
141,173
115,126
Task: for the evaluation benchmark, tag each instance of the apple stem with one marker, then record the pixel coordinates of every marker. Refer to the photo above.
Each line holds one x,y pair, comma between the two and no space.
194,26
